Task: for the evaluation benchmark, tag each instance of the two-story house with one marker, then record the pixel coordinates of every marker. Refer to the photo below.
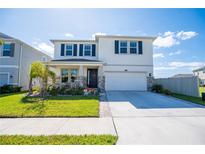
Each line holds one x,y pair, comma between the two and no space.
15,60
107,62
200,73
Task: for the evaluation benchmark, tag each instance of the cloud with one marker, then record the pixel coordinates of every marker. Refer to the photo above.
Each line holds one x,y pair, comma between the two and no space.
98,33
180,65
175,53
169,39
158,55
164,68
69,35
186,64
44,47
186,35
166,40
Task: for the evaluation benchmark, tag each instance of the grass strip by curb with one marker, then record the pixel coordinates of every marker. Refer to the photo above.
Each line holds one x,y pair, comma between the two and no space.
58,140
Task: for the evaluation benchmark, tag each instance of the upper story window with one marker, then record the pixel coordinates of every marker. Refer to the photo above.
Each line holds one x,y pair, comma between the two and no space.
44,59
123,46
6,49
128,47
69,50
87,50
133,47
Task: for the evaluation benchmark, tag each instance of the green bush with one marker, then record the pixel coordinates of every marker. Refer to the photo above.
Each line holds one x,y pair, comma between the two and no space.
65,90
9,89
167,92
157,88
53,91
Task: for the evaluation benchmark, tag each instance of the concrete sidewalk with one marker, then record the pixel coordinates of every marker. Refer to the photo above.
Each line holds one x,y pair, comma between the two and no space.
54,126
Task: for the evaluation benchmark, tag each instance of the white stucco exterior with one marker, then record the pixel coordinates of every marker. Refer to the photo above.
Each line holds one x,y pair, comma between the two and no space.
128,67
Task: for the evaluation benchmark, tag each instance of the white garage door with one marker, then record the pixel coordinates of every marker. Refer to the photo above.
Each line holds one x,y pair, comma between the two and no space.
125,81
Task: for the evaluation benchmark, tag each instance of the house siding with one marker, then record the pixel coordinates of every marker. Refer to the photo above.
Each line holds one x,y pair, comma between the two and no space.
57,49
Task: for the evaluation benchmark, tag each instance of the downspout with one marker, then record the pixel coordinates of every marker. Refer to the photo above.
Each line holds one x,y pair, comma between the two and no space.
20,58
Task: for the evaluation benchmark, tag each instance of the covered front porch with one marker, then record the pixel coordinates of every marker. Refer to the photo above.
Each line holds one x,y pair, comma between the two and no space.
75,72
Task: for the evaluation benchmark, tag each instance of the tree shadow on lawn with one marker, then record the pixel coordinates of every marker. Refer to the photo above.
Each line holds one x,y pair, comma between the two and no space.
38,108
36,105
11,94
28,99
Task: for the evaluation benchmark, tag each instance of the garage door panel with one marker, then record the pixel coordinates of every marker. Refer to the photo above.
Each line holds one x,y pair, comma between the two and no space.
125,81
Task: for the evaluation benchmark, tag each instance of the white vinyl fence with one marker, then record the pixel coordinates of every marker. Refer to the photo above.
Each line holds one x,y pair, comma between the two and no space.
184,85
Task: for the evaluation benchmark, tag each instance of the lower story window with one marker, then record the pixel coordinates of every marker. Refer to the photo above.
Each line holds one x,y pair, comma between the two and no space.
68,75
64,75
74,73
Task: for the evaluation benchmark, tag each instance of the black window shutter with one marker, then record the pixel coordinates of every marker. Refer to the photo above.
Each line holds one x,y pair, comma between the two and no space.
62,49
81,50
140,47
116,47
75,50
12,49
93,50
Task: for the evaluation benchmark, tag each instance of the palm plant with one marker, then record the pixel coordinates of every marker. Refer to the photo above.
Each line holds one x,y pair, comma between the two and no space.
41,71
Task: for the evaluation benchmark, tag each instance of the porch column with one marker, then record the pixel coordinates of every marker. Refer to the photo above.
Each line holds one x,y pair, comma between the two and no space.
101,79
81,76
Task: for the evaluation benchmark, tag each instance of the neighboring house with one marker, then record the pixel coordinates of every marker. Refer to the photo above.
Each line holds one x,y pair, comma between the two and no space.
107,62
201,74
182,75
15,60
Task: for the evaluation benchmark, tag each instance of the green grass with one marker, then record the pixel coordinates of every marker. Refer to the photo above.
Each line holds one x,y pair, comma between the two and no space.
201,89
58,140
192,99
17,105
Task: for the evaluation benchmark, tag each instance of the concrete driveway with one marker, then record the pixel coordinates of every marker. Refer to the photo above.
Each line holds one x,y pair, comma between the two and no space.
149,118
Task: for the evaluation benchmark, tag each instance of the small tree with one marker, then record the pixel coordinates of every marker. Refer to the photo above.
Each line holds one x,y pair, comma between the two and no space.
42,72
1,42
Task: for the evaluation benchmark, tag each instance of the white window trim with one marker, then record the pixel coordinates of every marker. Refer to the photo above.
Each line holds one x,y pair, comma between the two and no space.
90,50
128,47
72,49
137,52
3,50
69,74
9,66
122,47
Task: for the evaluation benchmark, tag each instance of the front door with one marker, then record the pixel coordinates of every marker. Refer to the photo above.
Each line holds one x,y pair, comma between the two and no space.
92,78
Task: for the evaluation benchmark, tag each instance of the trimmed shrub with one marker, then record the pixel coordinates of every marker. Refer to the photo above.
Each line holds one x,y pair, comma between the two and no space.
53,91
157,88
65,90
9,89
167,92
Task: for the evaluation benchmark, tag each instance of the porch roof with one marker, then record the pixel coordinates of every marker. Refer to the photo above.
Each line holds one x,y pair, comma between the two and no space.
75,62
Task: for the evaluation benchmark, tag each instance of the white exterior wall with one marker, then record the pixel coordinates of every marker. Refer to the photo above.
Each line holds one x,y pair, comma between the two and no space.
28,56
200,74
129,62
57,49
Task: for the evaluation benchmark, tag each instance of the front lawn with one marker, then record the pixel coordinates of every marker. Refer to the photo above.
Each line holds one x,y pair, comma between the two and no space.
196,100
58,140
17,105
